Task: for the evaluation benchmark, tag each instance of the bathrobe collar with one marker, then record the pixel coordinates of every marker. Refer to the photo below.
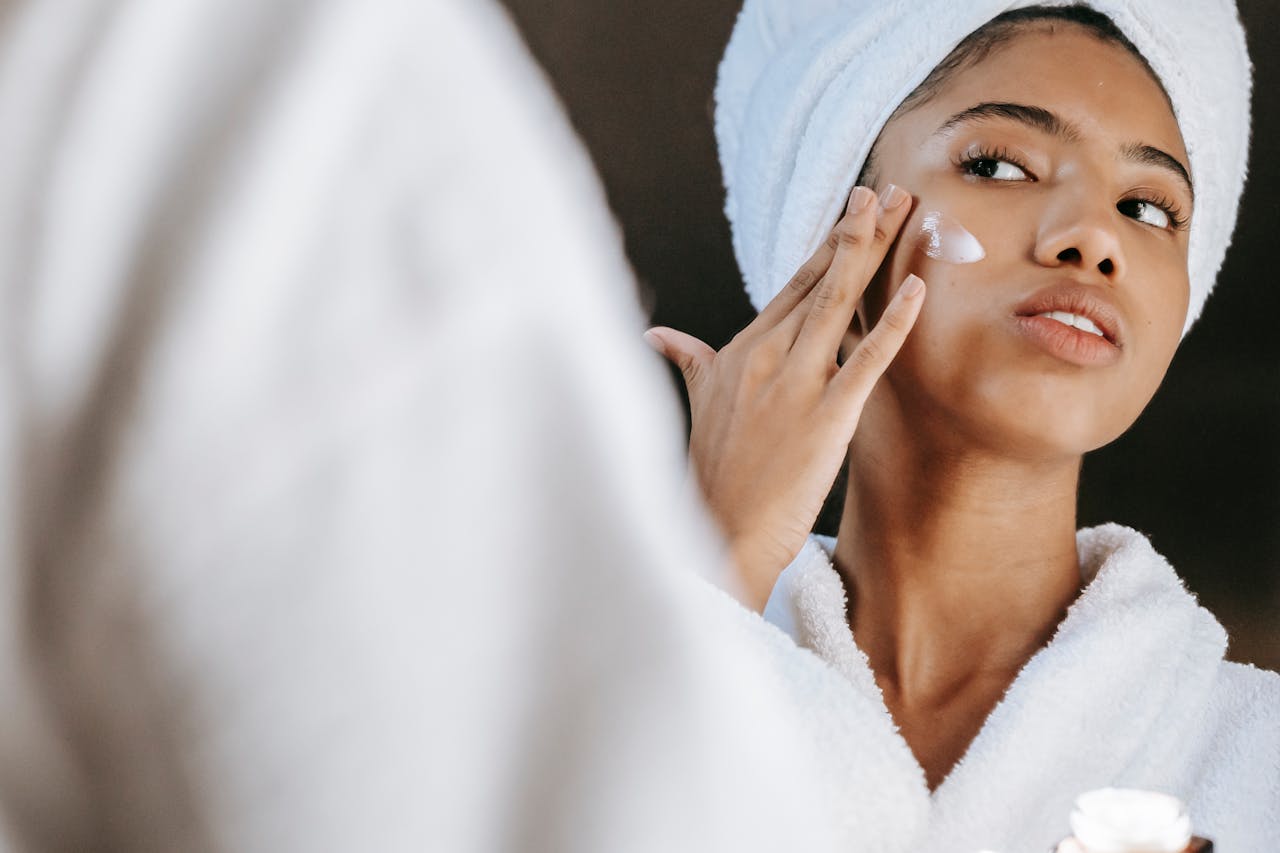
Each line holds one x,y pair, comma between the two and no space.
1112,699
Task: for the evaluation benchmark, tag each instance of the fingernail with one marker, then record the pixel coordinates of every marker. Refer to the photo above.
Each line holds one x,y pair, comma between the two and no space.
653,340
912,286
893,196
860,199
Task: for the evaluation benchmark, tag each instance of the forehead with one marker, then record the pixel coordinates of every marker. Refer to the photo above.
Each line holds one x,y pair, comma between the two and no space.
1095,84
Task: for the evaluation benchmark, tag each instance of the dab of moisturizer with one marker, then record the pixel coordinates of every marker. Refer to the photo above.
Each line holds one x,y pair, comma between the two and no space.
945,239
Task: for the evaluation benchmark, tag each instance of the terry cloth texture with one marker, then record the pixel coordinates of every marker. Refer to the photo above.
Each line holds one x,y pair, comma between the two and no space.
806,86
1132,691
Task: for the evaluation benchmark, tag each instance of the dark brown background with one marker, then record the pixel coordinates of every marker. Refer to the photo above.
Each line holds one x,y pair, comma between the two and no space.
1199,472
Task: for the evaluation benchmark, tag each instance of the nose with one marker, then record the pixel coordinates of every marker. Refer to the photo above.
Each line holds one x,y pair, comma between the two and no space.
1081,233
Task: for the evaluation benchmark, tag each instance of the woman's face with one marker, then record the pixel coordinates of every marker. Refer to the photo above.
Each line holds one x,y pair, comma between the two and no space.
1061,156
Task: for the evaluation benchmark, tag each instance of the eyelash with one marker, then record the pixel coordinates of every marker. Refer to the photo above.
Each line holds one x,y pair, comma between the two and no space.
1177,219
971,156
966,161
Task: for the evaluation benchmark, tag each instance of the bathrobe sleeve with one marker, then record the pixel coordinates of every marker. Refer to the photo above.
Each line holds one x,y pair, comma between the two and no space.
340,501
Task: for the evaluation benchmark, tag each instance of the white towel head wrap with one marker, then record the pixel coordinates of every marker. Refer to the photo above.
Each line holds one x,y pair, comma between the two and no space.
806,86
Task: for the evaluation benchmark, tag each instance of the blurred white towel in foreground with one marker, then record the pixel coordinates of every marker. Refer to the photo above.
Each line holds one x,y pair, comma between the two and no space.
339,498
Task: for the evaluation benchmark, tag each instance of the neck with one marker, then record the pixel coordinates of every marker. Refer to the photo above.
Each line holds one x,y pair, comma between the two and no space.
959,566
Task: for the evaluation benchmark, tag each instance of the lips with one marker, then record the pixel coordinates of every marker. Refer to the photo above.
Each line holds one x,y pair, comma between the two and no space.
1081,300
1076,341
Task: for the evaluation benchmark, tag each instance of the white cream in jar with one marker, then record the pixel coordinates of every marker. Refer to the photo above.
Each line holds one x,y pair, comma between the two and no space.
1128,820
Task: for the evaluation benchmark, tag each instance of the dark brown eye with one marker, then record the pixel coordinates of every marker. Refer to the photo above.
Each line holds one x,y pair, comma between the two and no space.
985,168
1145,211
993,169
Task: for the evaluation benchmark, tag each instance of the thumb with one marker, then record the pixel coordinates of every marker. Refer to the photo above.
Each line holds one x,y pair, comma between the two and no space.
686,352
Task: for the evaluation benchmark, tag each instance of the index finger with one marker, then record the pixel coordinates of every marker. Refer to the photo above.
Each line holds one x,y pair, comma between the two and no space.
800,288
863,239
809,274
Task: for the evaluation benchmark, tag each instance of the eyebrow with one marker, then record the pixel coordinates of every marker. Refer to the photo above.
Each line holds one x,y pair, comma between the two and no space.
1047,122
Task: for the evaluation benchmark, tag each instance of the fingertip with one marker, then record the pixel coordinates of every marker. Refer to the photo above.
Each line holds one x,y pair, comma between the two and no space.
861,199
912,286
892,198
653,339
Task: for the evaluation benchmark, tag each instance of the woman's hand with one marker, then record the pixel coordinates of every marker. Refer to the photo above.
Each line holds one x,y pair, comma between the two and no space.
773,412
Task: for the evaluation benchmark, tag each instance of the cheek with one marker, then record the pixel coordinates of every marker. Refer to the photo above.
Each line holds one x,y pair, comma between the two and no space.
946,237
947,252
955,339
1163,313
955,263
930,245
1158,308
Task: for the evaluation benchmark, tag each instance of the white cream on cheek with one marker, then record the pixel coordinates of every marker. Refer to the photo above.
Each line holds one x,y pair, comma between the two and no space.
944,239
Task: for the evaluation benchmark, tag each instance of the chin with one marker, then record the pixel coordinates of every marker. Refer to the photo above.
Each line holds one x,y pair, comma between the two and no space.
1036,420
1004,403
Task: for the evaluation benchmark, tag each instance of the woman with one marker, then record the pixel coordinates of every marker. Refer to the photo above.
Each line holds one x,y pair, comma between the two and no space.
1065,182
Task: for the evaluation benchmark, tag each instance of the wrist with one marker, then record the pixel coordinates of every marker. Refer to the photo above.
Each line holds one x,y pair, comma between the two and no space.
755,576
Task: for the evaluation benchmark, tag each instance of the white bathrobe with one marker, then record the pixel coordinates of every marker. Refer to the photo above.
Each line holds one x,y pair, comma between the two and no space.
1132,691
